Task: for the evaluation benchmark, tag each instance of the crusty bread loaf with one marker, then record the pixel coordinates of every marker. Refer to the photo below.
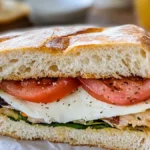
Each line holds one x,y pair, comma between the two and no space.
107,138
12,10
76,51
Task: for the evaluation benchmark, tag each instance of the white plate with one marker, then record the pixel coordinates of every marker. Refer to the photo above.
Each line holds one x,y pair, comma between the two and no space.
57,11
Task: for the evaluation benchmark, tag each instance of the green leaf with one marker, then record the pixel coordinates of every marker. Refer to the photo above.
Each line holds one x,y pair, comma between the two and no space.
97,124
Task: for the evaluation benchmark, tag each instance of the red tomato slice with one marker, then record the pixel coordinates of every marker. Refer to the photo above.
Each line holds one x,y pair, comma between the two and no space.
40,91
118,92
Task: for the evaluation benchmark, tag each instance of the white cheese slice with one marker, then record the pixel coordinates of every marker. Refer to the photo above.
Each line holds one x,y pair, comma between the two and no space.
78,105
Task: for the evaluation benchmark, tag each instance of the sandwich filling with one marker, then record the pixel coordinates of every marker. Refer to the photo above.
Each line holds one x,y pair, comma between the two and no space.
78,103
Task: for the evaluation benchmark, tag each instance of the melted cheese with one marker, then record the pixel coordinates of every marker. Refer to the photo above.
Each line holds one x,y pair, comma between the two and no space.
77,106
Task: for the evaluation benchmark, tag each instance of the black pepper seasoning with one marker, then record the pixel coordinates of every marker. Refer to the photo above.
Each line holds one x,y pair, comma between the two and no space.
138,118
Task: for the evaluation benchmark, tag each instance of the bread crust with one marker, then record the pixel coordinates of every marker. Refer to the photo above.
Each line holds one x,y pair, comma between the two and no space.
110,138
73,51
63,40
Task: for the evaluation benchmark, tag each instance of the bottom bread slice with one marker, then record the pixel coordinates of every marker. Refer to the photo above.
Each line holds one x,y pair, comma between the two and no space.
106,138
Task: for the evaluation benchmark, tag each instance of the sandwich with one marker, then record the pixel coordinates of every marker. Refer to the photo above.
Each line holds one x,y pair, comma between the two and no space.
13,14
81,85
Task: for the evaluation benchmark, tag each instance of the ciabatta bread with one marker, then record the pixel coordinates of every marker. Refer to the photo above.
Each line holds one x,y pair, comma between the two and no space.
110,138
88,52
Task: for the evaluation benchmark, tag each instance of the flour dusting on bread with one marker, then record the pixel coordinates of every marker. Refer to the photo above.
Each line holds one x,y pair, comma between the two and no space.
76,51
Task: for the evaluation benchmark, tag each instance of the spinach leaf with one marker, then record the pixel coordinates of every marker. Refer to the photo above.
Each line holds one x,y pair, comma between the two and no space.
96,124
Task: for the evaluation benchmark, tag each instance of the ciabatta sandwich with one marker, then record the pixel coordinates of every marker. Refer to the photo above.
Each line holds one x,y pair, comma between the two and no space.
79,85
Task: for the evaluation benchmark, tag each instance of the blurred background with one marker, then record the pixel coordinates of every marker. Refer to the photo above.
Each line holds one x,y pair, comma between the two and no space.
20,14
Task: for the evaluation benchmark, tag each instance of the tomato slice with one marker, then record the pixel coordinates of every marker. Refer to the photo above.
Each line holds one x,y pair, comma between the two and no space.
118,92
40,91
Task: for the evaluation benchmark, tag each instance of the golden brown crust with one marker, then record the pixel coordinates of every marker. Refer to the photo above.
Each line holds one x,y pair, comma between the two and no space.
146,40
56,142
48,39
66,39
86,76
60,142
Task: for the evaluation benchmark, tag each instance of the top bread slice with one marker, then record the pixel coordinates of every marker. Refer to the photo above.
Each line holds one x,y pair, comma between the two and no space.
73,51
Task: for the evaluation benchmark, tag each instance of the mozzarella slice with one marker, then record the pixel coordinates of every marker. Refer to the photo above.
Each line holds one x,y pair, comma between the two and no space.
77,106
